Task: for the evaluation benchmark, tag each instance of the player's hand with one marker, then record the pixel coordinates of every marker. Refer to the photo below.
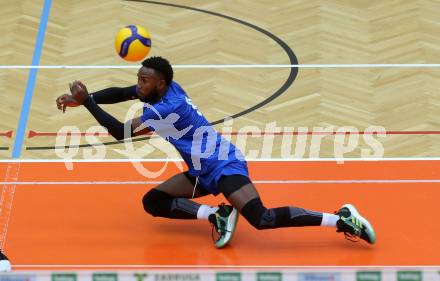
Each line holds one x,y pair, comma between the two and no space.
79,91
66,100
77,98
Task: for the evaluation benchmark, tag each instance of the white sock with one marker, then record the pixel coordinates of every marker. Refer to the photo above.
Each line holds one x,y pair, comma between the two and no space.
204,211
329,220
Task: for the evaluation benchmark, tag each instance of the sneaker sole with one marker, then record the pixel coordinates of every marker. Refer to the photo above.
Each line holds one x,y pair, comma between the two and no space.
364,221
232,223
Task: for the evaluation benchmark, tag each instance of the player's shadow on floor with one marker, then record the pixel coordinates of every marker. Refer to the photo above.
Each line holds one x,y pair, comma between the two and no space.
301,239
183,227
312,238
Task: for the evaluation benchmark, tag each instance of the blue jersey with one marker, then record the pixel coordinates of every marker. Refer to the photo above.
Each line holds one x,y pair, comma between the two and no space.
177,120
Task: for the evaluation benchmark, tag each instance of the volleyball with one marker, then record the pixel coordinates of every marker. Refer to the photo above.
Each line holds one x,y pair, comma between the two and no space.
132,43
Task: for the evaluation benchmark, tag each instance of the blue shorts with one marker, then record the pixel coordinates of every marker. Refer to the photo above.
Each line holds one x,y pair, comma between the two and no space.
209,181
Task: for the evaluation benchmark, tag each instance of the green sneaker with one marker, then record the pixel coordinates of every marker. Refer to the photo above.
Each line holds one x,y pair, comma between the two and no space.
224,222
354,225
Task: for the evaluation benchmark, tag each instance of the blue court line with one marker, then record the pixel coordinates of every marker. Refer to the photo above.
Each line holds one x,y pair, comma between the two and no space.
21,127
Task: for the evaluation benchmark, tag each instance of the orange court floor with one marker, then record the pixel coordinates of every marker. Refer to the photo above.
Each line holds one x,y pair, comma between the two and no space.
93,216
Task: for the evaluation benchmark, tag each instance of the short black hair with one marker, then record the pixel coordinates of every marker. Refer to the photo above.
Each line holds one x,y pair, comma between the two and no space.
160,65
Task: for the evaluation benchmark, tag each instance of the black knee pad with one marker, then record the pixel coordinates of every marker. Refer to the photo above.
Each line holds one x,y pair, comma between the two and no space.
262,218
254,212
151,200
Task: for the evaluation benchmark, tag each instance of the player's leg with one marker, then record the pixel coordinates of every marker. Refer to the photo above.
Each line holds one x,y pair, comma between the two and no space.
170,199
245,198
242,194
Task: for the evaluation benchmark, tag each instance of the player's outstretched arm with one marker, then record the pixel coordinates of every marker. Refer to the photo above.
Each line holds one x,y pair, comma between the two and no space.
80,96
105,96
114,95
117,129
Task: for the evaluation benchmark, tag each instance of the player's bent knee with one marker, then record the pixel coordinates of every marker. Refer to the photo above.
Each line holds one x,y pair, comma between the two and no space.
152,199
262,218
148,203
257,215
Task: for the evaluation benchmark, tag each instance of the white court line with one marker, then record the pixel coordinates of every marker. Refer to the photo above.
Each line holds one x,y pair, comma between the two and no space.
365,65
388,181
6,202
58,160
146,266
